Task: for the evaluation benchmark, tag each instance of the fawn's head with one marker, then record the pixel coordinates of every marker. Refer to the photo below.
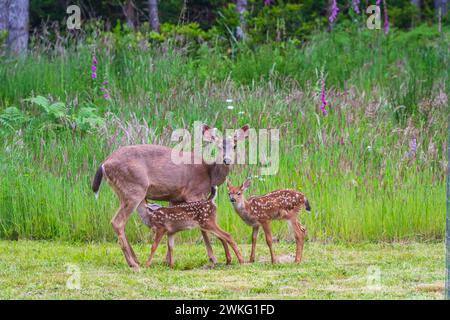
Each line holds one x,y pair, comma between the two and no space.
226,145
236,194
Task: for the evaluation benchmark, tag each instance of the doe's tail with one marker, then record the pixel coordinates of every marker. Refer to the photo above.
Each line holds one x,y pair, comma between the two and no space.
97,180
307,206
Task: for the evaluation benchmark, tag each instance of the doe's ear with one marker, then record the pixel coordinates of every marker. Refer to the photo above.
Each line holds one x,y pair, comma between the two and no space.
205,128
242,133
209,133
246,183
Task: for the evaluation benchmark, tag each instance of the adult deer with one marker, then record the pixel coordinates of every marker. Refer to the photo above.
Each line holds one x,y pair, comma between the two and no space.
140,172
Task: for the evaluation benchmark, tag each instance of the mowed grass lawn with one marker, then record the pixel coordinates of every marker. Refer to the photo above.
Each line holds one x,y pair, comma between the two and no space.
41,270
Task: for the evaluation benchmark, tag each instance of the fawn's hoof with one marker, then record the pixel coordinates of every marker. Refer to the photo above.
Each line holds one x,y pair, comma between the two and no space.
213,260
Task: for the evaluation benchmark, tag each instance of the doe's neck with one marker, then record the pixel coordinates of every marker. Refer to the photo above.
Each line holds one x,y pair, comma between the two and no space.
218,173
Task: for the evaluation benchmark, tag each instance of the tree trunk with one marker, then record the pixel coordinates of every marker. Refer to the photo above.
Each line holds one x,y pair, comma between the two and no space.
241,6
4,4
153,13
18,26
441,7
130,14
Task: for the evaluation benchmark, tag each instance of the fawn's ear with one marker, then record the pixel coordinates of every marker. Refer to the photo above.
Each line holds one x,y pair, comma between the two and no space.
154,206
242,133
209,133
229,186
246,184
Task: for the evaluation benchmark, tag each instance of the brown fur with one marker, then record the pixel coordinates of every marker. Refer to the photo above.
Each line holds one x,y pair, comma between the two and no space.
141,172
170,220
261,210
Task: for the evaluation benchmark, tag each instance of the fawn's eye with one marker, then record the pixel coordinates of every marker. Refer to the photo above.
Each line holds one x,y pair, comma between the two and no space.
239,193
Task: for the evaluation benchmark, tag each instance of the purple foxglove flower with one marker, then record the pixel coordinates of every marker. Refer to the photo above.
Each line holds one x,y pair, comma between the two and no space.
94,75
356,6
334,11
268,2
386,18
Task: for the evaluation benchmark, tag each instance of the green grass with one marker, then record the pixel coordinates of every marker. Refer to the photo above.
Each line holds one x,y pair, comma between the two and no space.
39,270
352,164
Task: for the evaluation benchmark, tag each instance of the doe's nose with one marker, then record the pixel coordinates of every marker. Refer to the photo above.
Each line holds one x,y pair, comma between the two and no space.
227,161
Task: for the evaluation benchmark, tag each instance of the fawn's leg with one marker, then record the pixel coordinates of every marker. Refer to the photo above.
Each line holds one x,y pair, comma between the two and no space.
209,249
299,233
205,236
227,250
170,243
254,239
158,236
268,233
214,228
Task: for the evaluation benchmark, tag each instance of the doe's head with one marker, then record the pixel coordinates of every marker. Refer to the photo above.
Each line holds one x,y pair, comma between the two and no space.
226,145
236,194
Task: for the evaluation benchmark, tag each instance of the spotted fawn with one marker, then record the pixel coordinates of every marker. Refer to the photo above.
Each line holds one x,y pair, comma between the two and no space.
198,214
261,210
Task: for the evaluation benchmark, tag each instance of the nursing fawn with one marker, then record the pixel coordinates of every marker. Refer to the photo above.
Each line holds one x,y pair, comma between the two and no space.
170,220
261,210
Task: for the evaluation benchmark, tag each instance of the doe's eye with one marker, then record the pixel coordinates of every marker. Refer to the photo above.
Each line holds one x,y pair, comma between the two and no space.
239,194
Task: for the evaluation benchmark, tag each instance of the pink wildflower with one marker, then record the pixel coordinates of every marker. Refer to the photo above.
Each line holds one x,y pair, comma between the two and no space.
94,67
322,98
413,147
105,90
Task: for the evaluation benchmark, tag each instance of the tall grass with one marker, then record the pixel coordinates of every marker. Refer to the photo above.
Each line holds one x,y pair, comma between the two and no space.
355,165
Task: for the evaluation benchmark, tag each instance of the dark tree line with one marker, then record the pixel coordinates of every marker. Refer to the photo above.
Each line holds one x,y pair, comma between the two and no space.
18,16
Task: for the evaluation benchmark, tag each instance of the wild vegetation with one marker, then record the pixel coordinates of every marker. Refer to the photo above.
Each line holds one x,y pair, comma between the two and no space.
373,167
